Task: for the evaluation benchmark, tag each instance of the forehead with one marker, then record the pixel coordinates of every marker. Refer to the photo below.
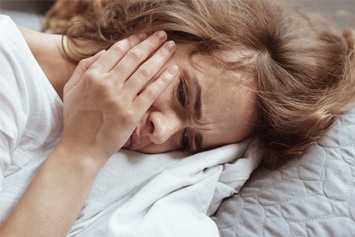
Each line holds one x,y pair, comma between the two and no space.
228,102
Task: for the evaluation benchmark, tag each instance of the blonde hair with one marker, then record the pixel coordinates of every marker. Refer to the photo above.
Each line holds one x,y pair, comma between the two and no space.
304,74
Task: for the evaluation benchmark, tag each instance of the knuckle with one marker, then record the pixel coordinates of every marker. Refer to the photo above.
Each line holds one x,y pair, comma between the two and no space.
119,48
92,74
151,92
135,55
96,66
113,104
128,116
96,79
84,63
146,72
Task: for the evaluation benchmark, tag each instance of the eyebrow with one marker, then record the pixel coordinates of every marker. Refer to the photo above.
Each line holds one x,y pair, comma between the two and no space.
197,104
198,139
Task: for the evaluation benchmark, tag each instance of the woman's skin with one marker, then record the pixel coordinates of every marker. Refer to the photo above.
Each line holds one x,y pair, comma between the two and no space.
227,107
109,97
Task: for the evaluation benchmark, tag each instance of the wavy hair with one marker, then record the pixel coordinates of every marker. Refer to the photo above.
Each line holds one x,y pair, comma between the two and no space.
304,74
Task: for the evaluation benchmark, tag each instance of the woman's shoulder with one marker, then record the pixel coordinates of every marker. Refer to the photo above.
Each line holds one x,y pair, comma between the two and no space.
4,19
24,87
7,25
11,38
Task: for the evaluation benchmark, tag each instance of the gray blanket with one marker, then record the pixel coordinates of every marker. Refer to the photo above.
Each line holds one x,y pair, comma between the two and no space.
310,196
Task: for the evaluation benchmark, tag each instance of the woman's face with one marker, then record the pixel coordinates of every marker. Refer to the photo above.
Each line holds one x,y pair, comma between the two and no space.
205,108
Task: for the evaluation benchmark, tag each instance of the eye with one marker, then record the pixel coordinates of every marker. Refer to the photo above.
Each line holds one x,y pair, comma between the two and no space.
181,92
185,140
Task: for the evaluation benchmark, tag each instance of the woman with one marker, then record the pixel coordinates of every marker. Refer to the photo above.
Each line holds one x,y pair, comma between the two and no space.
275,74
281,56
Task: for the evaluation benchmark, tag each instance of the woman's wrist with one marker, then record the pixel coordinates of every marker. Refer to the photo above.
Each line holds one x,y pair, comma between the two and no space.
61,185
80,159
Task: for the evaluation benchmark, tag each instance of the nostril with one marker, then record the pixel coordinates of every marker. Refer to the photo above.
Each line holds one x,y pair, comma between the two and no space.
150,127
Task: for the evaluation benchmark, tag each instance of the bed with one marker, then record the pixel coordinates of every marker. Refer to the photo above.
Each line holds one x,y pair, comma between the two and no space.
313,195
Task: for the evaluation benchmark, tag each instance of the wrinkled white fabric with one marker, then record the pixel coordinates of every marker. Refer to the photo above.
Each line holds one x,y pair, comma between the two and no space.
178,199
134,194
30,109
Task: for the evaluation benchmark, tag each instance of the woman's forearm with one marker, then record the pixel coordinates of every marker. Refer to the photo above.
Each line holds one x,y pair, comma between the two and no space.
55,196
104,103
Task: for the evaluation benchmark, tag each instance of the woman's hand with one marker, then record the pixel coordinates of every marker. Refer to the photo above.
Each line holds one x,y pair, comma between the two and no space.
103,102
109,93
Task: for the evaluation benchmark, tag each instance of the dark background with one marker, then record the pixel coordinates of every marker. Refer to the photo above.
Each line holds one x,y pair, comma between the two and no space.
343,9
37,7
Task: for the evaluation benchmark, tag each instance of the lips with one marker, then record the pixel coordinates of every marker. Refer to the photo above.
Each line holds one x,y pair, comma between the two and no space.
128,142
132,140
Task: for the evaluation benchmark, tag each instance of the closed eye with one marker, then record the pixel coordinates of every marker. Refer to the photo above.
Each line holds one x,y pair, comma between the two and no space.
185,143
181,93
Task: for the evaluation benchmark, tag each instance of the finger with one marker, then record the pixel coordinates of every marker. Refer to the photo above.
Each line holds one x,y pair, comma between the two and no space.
83,67
154,90
116,52
150,68
137,55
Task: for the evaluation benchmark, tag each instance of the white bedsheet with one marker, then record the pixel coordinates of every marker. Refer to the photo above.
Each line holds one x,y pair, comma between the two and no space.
152,195
164,195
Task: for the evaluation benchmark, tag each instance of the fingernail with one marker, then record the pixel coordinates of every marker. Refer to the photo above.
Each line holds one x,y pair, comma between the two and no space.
173,69
161,35
142,36
170,45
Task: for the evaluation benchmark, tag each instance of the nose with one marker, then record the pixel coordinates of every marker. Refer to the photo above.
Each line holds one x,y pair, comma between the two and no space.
162,126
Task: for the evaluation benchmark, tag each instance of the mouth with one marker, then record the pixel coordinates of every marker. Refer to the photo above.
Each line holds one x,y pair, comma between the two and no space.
132,140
